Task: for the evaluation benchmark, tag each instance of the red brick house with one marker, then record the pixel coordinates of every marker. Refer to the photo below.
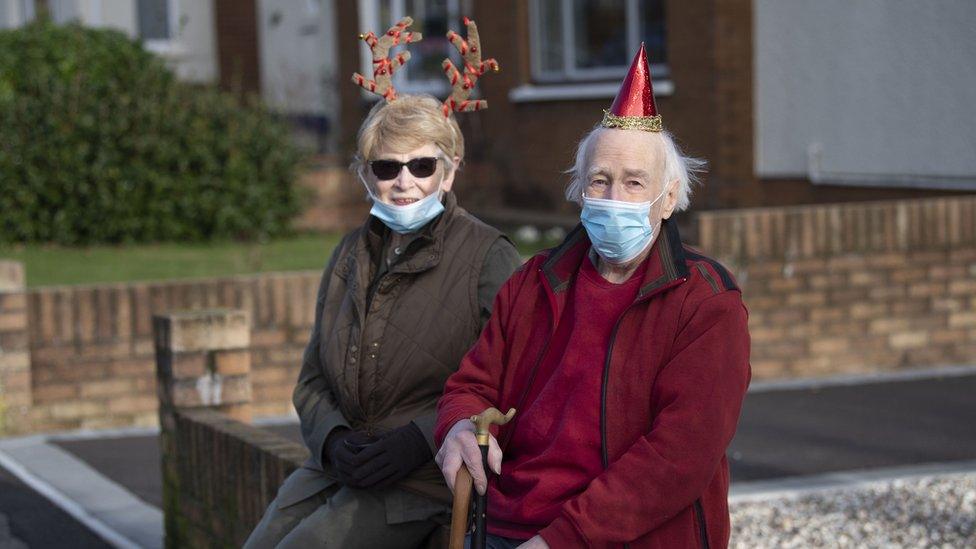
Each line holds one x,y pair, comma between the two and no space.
716,64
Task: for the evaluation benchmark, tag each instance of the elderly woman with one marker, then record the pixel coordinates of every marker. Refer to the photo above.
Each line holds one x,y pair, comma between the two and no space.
402,299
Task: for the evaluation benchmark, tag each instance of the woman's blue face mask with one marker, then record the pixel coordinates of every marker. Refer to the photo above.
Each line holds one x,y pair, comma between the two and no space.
410,217
618,230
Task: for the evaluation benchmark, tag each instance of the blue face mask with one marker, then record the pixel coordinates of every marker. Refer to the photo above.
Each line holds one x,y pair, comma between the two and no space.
619,231
409,218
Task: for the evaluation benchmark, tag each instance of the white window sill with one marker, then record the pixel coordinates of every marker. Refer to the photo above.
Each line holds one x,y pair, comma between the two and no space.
528,93
169,49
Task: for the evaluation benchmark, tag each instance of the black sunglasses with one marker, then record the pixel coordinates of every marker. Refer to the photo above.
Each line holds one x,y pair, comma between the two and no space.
389,169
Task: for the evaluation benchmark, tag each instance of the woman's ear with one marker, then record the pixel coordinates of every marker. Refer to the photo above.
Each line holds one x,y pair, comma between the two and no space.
450,170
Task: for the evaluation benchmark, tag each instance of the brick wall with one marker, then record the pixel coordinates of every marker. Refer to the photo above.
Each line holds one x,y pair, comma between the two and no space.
219,473
831,289
336,199
853,288
15,373
92,349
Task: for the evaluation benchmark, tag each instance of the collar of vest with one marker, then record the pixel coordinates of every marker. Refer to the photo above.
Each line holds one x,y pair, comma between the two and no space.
423,249
665,264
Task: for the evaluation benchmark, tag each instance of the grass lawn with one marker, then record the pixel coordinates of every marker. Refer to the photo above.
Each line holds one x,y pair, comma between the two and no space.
52,265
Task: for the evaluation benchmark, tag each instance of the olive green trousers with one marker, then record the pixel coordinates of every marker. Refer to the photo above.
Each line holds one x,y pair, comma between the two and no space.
350,518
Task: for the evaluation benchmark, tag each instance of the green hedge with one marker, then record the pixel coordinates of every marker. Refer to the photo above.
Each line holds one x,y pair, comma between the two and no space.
100,143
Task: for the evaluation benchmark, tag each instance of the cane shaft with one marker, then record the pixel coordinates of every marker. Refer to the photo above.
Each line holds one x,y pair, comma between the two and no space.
480,538
462,505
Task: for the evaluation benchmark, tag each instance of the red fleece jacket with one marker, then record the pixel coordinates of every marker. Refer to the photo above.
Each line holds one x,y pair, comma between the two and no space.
672,385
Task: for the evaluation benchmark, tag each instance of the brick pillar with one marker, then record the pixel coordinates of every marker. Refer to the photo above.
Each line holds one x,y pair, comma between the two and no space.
203,360
15,374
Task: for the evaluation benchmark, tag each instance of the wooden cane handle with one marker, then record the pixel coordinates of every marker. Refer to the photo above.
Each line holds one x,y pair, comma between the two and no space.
486,419
463,485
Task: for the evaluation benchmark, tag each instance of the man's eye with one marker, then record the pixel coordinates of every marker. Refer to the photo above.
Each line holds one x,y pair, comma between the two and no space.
634,183
598,182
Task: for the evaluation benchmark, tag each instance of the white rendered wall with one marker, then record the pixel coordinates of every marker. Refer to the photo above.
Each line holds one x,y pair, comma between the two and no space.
192,51
297,52
14,13
297,43
867,92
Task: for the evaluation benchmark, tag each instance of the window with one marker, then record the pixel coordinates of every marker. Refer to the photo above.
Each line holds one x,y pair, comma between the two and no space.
433,18
157,23
580,40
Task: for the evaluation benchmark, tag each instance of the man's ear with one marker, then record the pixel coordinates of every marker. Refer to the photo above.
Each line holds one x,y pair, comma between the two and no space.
670,200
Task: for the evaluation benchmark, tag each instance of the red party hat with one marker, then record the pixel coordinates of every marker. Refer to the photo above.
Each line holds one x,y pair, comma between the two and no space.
634,107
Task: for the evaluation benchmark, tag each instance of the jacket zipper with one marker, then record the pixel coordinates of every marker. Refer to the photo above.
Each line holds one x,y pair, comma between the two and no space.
702,527
605,454
606,370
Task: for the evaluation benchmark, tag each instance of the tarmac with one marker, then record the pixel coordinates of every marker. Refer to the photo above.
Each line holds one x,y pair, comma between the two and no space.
103,488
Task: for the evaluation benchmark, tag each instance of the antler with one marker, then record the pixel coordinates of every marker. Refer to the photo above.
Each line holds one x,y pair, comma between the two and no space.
383,65
474,67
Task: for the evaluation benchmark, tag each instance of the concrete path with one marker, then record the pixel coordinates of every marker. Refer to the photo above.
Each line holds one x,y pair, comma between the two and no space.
28,519
801,428
105,508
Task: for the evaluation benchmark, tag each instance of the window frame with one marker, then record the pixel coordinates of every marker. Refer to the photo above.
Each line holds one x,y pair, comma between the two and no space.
163,46
570,72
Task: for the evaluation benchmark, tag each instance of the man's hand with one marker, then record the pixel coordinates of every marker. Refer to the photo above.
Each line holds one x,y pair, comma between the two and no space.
460,446
535,543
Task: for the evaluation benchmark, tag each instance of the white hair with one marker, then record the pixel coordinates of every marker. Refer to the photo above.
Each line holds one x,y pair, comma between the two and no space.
677,167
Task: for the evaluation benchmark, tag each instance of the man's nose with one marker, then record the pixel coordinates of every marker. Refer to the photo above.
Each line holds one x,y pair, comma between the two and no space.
614,192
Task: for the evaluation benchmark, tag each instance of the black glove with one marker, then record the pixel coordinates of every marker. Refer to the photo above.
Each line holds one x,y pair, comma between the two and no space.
340,449
390,458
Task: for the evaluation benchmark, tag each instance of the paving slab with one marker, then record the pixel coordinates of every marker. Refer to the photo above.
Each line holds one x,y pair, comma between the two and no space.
103,506
28,519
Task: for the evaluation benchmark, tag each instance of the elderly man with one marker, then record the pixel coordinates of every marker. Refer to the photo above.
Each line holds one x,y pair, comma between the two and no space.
626,355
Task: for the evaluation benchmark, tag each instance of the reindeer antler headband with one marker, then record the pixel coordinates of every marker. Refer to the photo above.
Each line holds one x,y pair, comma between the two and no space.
383,66
462,83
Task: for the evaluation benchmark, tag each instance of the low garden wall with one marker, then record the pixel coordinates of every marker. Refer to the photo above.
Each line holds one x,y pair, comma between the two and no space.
219,472
832,289
91,347
853,288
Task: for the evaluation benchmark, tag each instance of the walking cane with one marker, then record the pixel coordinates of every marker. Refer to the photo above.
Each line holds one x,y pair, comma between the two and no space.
463,485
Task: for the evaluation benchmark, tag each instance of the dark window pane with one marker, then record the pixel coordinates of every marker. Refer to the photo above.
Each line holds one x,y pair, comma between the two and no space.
154,19
431,18
652,30
550,32
601,33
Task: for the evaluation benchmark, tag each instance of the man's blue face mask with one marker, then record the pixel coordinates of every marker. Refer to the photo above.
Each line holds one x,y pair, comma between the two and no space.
618,230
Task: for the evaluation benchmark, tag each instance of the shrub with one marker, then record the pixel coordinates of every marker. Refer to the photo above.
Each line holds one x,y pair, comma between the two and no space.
100,143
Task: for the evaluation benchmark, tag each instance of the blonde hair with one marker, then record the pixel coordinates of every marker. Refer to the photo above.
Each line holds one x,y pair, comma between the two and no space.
685,170
407,123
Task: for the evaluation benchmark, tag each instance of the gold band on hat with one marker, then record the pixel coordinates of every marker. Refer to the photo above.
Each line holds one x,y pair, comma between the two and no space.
643,123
